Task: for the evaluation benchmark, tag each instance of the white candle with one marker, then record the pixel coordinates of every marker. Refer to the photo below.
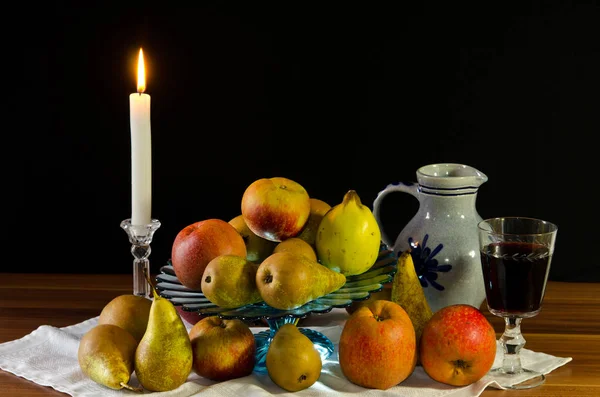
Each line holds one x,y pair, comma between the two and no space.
141,150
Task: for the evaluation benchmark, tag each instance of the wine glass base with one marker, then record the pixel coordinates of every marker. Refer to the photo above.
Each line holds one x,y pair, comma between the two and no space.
510,380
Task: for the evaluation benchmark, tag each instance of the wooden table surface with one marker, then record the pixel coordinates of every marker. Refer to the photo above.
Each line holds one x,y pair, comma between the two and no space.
568,325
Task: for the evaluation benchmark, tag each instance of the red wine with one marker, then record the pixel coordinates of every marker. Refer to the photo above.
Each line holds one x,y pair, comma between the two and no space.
515,276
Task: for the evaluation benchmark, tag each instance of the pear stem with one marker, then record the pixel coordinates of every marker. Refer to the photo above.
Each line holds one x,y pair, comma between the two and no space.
147,276
128,387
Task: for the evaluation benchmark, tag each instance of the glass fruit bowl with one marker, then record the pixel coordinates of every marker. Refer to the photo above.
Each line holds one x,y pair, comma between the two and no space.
356,288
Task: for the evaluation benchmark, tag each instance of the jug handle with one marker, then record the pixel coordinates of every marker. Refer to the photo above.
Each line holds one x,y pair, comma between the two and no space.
403,187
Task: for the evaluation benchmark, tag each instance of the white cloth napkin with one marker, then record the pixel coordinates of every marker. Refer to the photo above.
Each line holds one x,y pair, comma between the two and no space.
48,356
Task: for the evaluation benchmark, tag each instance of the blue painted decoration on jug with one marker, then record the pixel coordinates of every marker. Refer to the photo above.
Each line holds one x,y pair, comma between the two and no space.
425,263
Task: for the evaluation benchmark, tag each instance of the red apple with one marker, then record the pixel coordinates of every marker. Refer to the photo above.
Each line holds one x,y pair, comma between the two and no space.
378,347
458,345
199,243
222,349
275,208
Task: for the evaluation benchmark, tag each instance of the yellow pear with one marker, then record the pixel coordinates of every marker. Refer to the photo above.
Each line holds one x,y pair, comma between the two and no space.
229,281
163,358
292,361
106,355
287,280
257,248
318,209
408,293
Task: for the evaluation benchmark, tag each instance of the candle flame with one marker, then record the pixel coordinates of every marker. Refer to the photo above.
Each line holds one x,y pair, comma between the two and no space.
141,74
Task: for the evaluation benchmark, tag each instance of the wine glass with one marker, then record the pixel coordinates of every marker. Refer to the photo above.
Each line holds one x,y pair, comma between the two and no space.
515,258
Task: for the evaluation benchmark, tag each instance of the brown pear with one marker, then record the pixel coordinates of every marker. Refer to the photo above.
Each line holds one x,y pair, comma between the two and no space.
106,355
229,281
129,312
286,280
292,361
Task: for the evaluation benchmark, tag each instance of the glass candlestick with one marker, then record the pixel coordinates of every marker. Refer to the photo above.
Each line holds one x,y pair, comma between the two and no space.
140,236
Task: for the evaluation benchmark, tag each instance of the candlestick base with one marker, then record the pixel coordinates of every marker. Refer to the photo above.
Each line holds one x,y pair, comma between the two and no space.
140,236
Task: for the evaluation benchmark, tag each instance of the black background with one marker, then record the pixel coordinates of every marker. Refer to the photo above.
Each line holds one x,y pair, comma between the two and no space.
336,98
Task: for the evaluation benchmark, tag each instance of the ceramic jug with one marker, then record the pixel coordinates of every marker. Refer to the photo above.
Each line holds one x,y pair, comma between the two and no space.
442,235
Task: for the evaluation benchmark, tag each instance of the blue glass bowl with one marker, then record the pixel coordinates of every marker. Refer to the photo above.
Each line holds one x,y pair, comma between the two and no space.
356,288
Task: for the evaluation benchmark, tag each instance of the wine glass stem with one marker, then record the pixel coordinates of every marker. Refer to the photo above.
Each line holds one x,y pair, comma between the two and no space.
512,341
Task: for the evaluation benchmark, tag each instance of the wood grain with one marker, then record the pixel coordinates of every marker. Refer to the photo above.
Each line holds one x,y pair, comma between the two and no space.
560,300
568,325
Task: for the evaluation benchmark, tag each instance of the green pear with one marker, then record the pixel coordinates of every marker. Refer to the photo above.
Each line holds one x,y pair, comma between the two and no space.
292,361
106,355
229,281
163,358
288,280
